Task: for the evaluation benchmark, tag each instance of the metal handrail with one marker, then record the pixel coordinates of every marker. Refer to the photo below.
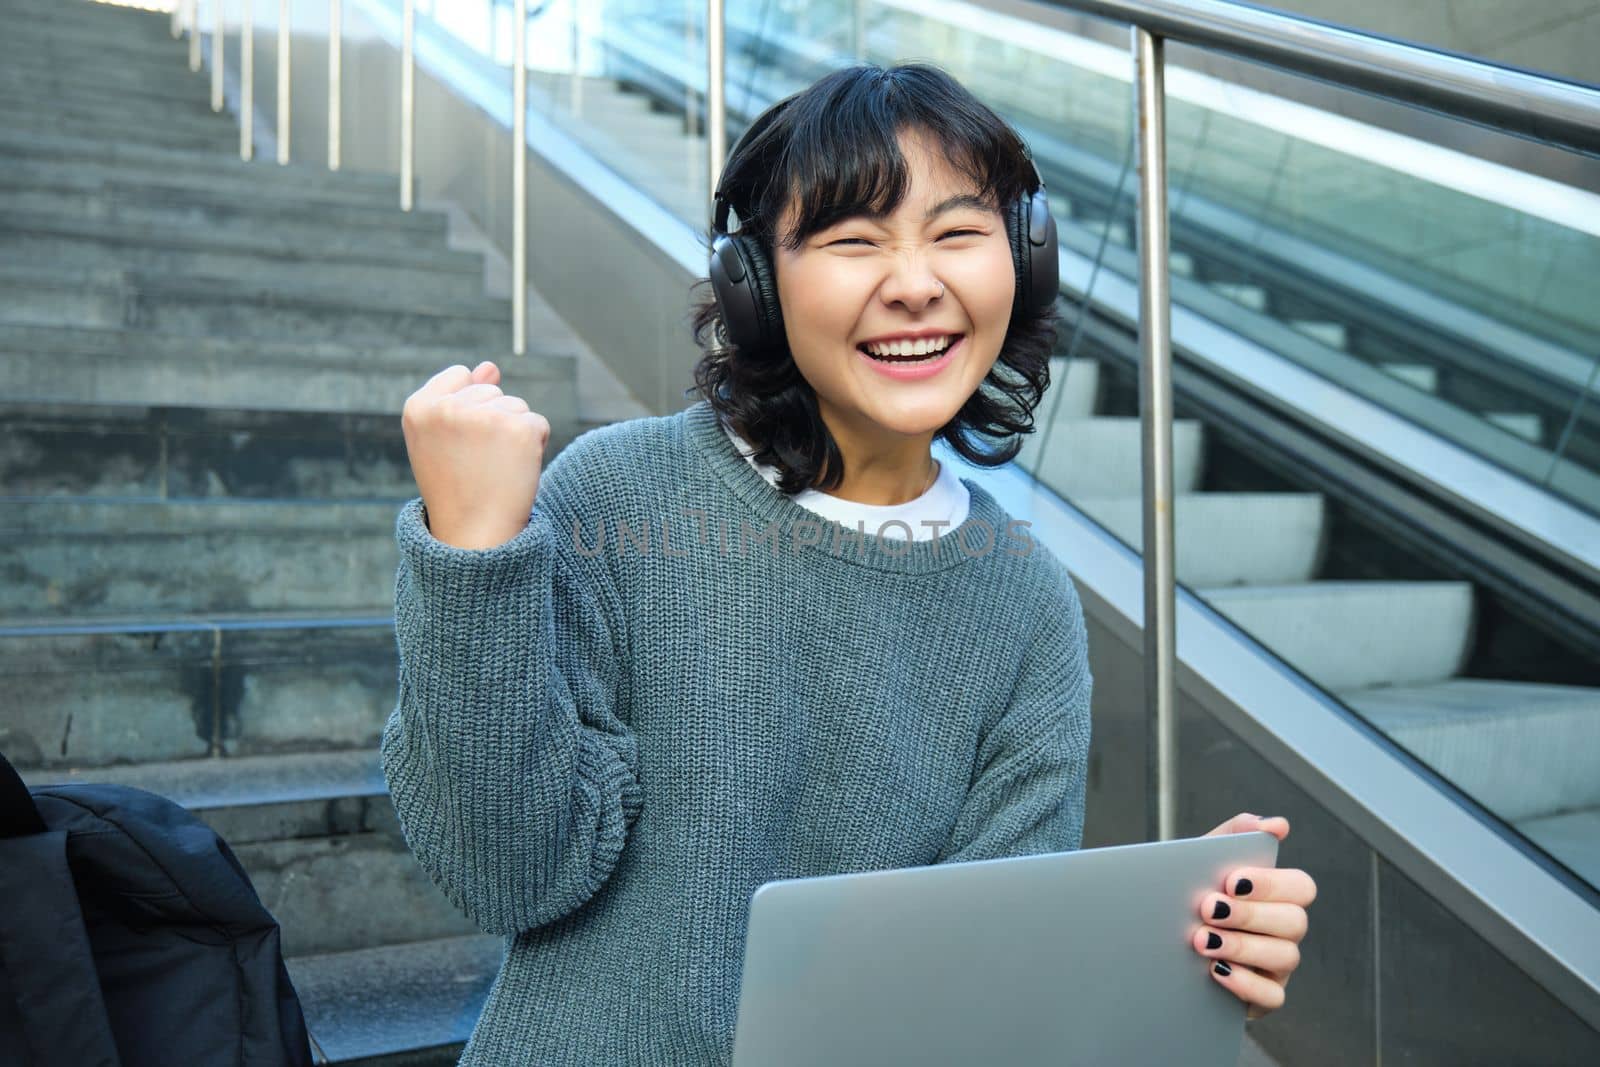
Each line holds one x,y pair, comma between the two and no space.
408,105
283,82
1536,106
335,83
519,179
1155,415
247,84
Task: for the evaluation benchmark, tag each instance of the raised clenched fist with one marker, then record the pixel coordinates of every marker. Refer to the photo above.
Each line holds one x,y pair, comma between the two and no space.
476,454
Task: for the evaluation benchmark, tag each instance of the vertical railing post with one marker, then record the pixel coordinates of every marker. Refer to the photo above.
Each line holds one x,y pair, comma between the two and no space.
408,103
691,124
216,55
519,177
247,84
577,58
283,81
716,101
194,36
335,83
1155,413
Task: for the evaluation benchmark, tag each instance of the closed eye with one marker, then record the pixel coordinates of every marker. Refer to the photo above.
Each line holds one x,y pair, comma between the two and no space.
863,240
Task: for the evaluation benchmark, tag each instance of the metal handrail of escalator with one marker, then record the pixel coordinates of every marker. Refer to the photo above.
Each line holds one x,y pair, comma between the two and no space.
1534,106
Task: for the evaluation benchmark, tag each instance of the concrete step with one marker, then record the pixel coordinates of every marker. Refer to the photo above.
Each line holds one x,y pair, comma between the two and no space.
1524,750
35,83
74,48
57,365
400,1004
87,558
179,88
111,298
1100,456
86,45
318,837
176,452
93,693
1346,635
332,258
221,171
126,23
1572,837
134,115
1226,539
33,123
126,20
262,210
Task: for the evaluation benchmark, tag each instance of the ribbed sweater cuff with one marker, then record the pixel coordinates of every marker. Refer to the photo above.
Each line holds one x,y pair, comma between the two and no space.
445,570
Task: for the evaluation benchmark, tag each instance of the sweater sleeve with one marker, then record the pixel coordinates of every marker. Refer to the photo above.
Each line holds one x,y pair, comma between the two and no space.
1027,795
513,778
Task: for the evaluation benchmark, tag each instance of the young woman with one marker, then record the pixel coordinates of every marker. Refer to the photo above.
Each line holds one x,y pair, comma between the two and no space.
769,636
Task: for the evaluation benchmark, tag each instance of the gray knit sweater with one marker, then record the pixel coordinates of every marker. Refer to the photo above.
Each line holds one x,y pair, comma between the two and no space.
676,684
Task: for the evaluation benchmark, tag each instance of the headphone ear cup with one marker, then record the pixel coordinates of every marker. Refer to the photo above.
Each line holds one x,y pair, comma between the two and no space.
764,285
741,279
1021,262
1032,230
1044,264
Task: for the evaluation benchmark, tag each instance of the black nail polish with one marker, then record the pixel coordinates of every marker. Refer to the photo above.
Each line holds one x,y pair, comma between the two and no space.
1243,888
1221,910
1213,941
1222,968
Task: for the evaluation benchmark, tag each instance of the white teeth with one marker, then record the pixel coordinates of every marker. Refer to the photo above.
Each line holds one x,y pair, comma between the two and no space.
921,347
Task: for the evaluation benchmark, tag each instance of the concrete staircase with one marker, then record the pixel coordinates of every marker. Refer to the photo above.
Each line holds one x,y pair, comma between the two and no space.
202,363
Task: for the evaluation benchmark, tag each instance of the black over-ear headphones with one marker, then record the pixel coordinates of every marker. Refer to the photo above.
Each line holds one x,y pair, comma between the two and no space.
747,292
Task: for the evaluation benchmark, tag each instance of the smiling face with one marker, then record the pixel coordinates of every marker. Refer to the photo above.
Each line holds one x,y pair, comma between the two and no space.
861,280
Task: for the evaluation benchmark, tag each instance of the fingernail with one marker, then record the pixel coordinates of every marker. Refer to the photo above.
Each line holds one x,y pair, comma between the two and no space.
1213,941
1242,889
1221,910
1222,968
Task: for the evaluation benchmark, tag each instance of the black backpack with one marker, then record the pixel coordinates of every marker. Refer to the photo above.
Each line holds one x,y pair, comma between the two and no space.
131,936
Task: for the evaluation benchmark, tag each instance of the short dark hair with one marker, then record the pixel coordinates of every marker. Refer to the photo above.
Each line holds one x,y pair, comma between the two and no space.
834,148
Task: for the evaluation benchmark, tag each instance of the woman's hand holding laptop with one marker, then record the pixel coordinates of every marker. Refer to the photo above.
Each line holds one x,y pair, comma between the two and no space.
1254,925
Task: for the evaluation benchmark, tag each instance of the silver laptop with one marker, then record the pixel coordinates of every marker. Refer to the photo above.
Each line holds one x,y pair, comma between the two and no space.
1065,958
